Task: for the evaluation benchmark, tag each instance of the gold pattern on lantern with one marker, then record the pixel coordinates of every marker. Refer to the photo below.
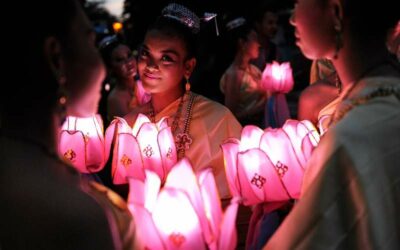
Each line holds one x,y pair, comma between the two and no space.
177,239
148,151
258,180
169,153
70,155
281,169
126,161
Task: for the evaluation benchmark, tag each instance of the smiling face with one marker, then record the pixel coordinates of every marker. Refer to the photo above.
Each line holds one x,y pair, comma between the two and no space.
123,64
163,63
314,30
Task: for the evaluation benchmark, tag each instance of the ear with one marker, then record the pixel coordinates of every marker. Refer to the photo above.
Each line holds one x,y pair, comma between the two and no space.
337,14
189,67
54,58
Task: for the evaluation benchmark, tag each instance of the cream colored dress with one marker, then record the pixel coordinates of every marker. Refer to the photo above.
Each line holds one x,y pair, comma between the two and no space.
351,190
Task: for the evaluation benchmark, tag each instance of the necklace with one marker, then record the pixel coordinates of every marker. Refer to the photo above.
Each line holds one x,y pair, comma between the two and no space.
182,139
378,92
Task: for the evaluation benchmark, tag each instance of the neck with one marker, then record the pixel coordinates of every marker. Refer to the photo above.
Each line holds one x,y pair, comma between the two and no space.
126,84
241,61
162,100
358,60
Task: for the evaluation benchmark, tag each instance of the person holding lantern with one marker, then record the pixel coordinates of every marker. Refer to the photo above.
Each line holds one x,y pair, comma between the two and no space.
166,62
350,192
44,202
241,81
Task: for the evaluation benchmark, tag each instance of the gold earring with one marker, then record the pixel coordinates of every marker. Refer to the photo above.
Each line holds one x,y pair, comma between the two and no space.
338,39
187,85
62,99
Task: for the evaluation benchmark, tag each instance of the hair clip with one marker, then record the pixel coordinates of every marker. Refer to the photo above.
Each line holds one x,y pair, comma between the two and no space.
107,41
209,16
237,22
182,15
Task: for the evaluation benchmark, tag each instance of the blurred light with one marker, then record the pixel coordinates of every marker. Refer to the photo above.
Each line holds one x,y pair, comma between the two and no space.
117,26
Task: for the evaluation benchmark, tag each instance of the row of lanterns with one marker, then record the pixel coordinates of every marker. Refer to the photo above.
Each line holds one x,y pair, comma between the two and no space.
175,208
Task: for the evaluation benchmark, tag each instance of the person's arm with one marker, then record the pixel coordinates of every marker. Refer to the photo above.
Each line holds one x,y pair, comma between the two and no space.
232,92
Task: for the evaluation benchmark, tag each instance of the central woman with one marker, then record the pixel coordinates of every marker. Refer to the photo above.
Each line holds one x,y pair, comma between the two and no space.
166,61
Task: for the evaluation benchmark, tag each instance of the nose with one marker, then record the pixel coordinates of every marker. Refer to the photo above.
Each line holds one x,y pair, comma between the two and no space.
292,20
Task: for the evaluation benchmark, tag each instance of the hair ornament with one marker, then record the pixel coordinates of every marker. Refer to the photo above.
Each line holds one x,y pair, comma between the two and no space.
209,16
107,41
237,22
183,15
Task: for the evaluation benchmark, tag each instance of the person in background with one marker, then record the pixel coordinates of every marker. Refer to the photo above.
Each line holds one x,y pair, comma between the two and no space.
350,192
127,91
317,102
266,25
166,62
44,202
241,81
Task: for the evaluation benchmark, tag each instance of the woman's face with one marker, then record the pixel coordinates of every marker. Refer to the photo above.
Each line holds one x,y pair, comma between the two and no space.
251,45
162,63
314,30
84,68
123,63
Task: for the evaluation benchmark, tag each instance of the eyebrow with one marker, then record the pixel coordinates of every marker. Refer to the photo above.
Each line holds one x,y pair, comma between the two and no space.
171,51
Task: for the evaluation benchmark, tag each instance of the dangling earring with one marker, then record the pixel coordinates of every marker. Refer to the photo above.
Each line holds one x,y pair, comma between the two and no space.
338,39
62,96
187,85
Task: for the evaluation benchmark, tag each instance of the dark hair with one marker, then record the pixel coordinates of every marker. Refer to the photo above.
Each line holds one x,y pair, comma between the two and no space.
234,35
369,19
106,51
34,80
173,28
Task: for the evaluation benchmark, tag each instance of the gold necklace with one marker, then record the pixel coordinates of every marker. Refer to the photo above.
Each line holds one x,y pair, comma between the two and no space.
182,139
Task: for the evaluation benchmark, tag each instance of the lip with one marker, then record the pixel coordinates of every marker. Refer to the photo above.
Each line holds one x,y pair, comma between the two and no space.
151,76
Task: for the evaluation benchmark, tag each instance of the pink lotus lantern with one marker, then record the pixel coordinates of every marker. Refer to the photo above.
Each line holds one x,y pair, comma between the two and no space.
185,214
81,143
145,146
277,79
268,166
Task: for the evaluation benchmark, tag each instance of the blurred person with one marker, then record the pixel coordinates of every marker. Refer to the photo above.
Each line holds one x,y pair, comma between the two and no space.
127,90
44,202
240,83
317,102
266,26
350,192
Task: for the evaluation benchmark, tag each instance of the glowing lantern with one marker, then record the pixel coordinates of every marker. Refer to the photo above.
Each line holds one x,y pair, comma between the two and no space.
145,146
185,214
117,27
268,166
277,79
82,144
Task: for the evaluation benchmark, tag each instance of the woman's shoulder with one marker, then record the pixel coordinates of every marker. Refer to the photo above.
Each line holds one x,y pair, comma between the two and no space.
208,108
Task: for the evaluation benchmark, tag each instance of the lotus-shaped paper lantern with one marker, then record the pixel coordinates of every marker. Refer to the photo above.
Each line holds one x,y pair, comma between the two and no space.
268,166
278,78
145,146
185,214
81,143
